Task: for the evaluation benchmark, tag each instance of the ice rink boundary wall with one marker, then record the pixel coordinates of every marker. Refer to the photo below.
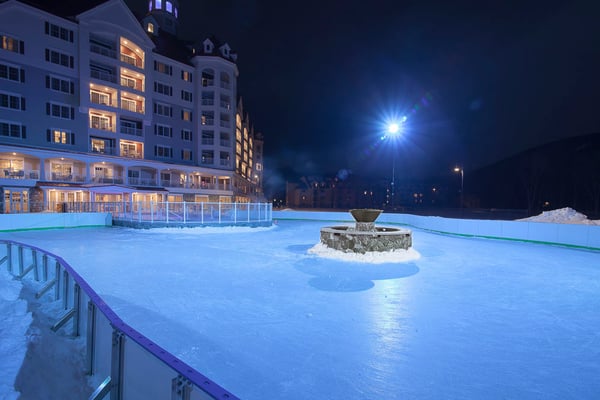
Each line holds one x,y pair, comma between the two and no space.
570,235
40,221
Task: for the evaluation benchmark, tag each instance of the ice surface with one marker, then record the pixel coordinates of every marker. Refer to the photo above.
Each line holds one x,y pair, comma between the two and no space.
255,311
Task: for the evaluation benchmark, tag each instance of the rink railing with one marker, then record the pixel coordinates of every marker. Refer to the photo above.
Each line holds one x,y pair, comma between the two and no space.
124,363
178,213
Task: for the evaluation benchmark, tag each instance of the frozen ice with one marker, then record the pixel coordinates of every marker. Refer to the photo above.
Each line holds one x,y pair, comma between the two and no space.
263,315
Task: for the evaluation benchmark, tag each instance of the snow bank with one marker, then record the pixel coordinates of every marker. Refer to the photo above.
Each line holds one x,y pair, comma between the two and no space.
371,257
562,216
15,321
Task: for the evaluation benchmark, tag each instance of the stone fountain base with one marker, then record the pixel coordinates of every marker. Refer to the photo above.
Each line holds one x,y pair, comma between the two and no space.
346,238
365,236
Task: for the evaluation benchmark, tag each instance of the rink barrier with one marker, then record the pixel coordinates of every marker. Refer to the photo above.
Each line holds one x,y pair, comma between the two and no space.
578,236
123,363
179,214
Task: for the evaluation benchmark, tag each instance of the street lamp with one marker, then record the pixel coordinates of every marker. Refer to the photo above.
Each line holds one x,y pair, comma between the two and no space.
462,183
394,129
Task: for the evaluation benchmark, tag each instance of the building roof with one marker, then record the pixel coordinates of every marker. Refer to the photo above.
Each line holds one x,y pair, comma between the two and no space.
64,8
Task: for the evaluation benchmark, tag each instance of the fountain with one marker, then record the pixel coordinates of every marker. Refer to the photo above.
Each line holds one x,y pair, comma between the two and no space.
365,236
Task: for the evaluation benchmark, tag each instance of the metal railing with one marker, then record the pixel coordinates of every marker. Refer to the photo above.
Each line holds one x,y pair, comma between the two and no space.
177,213
122,362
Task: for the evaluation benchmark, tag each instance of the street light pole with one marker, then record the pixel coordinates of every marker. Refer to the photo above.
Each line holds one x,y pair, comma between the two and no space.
393,130
462,184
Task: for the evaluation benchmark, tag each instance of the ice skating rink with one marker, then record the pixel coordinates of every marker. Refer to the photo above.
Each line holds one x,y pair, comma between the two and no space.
259,314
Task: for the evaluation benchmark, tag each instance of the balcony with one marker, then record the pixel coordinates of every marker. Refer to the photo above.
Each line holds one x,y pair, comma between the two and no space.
103,126
62,177
132,83
131,154
94,48
136,62
111,151
170,183
225,163
226,105
208,141
104,179
141,181
207,121
127,130
225,124
20,174
208,160
103,76
225,143
132,106
208,102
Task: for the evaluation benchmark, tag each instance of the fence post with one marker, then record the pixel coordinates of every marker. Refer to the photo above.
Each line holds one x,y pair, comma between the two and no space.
184,212
167,209
9,256
116,365
202,212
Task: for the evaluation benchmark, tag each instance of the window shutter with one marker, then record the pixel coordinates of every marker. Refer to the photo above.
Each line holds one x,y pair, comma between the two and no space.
155,151
48,135
71,36
72,138
47,108
46,27
71,61
171,152
72,112
23,103
47,81
190,75
170,111
72,87
155,130
23,131
47,55
155,86
21,47
154,108
170,90
22,75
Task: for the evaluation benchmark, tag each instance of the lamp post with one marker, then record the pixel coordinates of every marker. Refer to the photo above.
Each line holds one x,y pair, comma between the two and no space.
462,182
393,130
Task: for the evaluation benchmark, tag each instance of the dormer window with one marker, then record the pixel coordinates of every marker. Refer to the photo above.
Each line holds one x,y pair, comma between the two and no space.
208,47
150,5
159,4
150,27
169,7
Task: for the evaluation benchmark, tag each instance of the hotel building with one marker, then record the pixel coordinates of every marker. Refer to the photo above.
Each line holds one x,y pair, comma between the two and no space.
98,106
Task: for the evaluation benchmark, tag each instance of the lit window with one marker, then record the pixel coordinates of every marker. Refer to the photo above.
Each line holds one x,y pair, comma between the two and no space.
151,27
176,12
159,4
150,5
169,7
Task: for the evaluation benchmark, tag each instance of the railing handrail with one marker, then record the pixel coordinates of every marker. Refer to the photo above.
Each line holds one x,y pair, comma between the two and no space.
198,379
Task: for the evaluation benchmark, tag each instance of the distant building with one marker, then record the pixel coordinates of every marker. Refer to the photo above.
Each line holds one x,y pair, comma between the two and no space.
356,192
97,106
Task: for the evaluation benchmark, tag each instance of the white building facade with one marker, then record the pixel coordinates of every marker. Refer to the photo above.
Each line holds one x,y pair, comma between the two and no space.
102,107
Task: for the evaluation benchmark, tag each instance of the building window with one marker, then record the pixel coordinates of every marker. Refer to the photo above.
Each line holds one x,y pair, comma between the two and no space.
208,118
163,89
13,130
56,57
12,73
60,111
186,155
12,102
185,95
163,151
163,109
186,135
186,115
207,157
59,32
163,130
60,136
224,159
208,138
60,85
12,44
163,68
150,27
186,76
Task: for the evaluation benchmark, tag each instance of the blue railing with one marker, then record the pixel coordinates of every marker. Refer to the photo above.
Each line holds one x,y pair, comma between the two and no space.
123,363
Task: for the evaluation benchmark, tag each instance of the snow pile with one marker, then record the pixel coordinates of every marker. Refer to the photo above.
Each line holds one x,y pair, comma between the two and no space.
371,257
562,216
14,324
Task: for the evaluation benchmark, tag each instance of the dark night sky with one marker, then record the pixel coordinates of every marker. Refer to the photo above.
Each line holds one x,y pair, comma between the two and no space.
478,82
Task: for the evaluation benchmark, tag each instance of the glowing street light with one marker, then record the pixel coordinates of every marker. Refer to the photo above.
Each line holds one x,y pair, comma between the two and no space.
394,129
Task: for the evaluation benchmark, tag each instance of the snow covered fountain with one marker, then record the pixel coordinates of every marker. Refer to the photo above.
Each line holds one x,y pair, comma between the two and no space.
365,236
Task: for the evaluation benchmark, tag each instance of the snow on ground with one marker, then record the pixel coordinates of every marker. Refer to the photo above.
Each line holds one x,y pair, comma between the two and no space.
265,311
371,257
562,216
14,323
